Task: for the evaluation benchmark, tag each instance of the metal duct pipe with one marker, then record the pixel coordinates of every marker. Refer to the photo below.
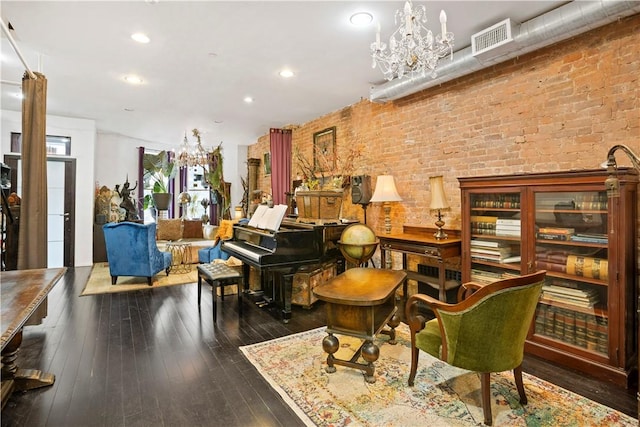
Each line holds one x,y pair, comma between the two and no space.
559,24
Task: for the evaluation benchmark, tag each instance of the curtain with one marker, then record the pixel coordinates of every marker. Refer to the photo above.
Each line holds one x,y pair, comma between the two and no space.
141,183
32,244
280,165
172,186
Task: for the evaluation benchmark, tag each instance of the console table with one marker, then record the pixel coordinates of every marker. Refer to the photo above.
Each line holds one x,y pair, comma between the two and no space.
419,241
23,291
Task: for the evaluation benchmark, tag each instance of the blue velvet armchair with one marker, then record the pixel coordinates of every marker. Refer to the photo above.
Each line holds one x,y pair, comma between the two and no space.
132,251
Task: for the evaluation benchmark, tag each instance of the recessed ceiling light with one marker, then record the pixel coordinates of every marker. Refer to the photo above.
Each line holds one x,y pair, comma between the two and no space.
134,80
286,73
248,99
129,109
140,37
361,18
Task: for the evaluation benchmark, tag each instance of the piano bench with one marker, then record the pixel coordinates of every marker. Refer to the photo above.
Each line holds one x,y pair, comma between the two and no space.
218,275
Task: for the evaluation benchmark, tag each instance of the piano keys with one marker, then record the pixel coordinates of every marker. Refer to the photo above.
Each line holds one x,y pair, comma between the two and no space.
278,255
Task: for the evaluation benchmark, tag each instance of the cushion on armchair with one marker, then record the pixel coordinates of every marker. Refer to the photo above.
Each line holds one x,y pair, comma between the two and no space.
169,229
192,229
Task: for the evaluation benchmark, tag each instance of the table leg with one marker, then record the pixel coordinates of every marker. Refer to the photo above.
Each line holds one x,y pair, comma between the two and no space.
442,294
368,350
23,379
393,324
330,344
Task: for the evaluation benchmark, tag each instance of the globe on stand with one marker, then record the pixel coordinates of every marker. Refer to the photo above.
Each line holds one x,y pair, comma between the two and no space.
358,243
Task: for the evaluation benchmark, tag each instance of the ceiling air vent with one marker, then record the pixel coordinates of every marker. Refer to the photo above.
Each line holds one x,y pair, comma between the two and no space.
493,41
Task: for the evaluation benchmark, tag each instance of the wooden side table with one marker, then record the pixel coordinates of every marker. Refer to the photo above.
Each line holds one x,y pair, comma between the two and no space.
360,302
420,241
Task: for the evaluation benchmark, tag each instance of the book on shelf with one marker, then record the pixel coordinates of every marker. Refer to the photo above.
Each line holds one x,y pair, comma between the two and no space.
511,259
595,268
576,303
551,266
508,227
508,221
508,233
585,239
502,251
558,257
484,218
553,236
564,290
483,224
556,230
487,243
585,298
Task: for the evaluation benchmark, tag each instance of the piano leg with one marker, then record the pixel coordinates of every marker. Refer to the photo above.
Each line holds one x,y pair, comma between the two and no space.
283,290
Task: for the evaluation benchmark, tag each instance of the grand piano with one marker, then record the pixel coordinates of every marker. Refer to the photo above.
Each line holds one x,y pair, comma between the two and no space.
279,254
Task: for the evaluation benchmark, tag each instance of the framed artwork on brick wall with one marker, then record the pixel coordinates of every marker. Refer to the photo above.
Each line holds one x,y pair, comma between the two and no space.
267,163
324,149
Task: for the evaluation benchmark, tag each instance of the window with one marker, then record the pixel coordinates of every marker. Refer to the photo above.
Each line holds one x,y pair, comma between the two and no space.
56,145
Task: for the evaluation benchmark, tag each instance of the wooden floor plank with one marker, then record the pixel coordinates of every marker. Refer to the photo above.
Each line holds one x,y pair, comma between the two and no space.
152,357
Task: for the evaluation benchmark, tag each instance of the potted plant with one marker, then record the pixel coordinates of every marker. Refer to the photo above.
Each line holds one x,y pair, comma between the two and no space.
158,172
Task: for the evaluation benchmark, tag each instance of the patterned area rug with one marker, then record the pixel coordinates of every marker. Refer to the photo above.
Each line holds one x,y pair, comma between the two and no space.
442,395
100,281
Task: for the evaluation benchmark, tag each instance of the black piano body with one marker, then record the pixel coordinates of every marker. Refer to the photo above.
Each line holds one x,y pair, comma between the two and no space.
278,255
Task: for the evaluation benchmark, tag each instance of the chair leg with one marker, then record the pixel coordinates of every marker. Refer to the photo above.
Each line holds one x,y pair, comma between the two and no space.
517,376
167,270
114,279
485,387
149,281
415,352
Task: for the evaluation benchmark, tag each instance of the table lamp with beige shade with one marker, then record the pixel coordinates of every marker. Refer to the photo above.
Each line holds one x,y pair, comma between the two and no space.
386,193
439,203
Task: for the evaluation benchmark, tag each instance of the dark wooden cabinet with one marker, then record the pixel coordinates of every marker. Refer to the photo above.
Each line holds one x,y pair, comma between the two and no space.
565,223
99,248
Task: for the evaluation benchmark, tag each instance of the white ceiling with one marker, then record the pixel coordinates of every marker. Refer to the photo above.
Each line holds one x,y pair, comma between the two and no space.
206,56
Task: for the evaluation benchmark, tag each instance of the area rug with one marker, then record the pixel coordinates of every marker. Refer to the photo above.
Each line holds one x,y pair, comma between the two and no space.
100,281
442,395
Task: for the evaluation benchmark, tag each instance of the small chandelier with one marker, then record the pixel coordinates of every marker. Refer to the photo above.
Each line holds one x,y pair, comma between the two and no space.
191,155
413,50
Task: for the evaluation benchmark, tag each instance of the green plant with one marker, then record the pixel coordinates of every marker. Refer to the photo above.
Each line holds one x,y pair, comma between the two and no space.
158,171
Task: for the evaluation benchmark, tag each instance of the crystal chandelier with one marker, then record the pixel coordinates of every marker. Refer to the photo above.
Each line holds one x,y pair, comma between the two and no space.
192,155
413,50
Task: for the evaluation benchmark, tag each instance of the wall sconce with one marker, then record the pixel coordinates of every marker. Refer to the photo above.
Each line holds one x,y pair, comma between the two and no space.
386,192
439,203
611,183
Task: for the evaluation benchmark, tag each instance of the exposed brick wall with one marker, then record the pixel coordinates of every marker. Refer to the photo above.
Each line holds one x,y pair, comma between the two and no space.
559,108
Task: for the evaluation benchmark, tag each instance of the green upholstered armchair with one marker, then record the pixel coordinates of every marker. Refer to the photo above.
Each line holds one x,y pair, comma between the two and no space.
484,332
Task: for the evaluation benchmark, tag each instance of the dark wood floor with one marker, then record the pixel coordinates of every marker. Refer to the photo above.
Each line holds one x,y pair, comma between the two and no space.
152,358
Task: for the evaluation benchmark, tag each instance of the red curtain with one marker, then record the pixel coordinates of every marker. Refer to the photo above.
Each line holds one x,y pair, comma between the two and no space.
280,165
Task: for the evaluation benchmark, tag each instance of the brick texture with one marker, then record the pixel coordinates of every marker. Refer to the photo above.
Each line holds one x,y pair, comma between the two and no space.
558,108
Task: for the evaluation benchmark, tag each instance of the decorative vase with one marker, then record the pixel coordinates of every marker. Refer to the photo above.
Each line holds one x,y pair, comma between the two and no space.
162,201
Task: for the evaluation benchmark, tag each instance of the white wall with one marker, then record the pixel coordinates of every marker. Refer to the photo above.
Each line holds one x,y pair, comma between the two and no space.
83,143
106,159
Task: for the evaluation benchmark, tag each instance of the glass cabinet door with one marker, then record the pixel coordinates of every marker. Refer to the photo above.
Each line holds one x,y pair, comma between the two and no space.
571,244
496,230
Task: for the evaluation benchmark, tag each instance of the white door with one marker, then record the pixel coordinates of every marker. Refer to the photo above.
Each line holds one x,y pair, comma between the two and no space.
58,218
57,215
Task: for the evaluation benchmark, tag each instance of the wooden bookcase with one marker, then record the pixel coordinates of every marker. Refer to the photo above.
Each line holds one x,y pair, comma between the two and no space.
562,222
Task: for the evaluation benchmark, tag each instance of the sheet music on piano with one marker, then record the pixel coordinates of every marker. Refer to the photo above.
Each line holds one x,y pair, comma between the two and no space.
267,218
